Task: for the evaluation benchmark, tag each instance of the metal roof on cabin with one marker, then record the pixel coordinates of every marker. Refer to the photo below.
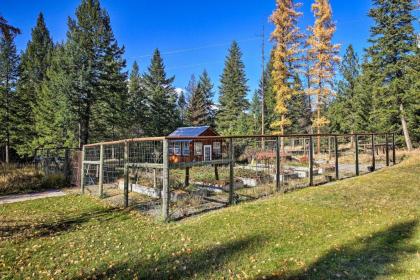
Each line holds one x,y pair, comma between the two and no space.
189,131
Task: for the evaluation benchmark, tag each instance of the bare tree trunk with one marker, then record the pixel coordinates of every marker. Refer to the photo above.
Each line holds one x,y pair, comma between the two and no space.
405,129
318,131
282,138
7,153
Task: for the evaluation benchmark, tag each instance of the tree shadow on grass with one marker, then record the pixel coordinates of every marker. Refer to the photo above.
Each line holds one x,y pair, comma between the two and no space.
24,231
366,258
176,266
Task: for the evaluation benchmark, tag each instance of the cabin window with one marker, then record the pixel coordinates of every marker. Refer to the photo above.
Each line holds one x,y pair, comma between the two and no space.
185,148
198,148
177,148
217,148
171,149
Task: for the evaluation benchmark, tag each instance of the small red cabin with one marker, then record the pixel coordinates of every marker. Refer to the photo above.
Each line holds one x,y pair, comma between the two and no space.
189,150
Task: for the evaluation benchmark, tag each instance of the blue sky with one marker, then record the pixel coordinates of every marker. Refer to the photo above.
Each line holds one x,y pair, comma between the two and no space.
192,35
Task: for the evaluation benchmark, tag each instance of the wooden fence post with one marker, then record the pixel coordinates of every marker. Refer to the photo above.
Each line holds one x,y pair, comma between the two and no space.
187,177
82,171
356,139
165,182
101,171
126,175
231,171
373,153
216,172
66,167
329,147
386,150
278,164
47,164
311,161
393,149
337,175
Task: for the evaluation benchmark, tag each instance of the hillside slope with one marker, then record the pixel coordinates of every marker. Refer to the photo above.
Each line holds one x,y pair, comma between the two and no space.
360,228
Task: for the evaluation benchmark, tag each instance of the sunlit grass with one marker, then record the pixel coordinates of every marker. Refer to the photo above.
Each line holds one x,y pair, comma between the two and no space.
364,227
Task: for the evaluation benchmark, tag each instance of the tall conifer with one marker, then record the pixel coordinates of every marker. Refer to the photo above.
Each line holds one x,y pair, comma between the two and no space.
232,93
9,63
137,102
54,121
200,110
343,112
163,116
98,95
393,43
33,69
286,56
323,55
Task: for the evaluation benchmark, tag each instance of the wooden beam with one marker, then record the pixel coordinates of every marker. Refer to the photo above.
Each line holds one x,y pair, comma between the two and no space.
182,165
337,174
146,165
82,172
278,164
165,183
126,177
311,161
101,171
92,162
356,139
231,171
187,177
373,152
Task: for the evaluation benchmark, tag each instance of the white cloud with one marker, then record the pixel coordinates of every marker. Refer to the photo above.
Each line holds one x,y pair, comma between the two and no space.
179,91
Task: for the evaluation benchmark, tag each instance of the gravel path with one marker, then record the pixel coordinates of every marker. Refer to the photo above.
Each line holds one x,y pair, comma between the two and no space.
30,196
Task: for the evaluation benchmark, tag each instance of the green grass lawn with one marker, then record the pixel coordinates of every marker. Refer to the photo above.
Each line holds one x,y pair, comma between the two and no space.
360,228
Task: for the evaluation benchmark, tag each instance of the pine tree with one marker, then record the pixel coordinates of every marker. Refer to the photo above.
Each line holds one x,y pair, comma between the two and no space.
255,113
197,113
269,96
33,68
287,49
8,31
98,95
200,110
163,117
393,43
323,55
9,63
232,93
343,112
189,92
54,121
413,111
191,87
112,108
182,108
299,109
137,102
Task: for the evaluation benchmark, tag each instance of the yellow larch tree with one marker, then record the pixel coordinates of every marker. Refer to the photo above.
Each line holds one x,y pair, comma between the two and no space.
323,56
286,57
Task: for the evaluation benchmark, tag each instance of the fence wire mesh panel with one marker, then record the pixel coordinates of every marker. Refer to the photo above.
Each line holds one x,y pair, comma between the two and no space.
125,173
64,162
199,175
90,173
255,167
346,156
176,177
323,159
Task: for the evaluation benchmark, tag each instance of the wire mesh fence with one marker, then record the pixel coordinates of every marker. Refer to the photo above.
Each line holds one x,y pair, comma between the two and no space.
59,161
175,177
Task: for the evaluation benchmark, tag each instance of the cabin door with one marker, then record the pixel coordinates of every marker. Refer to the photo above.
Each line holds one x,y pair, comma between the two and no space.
207,152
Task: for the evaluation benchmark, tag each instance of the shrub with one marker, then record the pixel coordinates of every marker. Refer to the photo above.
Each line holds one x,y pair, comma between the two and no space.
14,180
